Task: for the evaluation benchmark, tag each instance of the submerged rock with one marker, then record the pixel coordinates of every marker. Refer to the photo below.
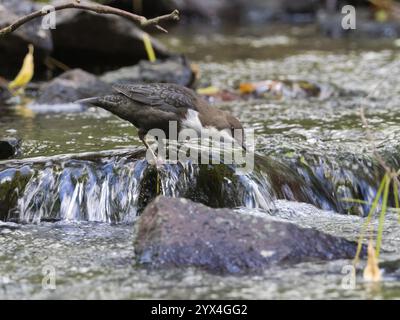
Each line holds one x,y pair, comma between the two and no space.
9,147
76,41
13,46
173,70
391,268
175,232
71,86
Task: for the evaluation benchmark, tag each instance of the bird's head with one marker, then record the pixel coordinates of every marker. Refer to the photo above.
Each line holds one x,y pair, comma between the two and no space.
236,130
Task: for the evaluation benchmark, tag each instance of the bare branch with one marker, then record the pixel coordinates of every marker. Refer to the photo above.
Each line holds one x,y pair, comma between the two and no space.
97,8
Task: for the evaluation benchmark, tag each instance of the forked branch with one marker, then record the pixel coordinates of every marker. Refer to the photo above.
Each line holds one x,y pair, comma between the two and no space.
97,8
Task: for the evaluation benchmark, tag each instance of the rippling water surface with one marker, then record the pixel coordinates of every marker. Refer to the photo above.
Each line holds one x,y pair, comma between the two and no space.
320,139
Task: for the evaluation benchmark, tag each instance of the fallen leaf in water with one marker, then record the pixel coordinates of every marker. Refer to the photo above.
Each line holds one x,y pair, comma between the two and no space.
208,91
372,272
258,87
25,75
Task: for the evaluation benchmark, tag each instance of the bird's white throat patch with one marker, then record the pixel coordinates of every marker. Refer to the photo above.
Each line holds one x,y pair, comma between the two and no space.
193,122
201,144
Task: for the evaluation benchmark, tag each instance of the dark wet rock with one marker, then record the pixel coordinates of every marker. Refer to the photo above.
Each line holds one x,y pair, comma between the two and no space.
71,86
174,232
9,147
173,70
14,46
391,268
194,182
76,41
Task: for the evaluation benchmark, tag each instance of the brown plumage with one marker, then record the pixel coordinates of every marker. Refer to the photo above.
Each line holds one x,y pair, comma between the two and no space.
153,105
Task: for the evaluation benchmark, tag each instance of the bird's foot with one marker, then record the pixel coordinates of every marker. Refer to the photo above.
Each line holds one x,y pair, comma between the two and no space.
157,161
153,159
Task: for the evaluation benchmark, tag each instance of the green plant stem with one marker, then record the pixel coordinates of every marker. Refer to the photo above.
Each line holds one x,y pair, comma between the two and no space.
382,216
396,196
369,217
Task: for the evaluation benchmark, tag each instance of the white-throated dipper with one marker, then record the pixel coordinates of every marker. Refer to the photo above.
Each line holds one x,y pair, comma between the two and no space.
154,105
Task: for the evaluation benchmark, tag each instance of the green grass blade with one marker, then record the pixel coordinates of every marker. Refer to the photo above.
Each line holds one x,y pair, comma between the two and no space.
368,220
396,197
382,216
354,201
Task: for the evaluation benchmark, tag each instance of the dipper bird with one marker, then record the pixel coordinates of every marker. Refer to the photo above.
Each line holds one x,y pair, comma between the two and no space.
152,105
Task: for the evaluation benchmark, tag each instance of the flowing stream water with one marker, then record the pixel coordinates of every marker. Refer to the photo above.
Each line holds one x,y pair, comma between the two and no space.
70,200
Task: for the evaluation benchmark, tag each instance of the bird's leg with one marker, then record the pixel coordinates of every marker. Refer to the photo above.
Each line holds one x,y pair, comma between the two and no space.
142,137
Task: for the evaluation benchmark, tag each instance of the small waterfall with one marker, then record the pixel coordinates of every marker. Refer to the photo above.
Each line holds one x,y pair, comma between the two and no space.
80,190
340,179
115,188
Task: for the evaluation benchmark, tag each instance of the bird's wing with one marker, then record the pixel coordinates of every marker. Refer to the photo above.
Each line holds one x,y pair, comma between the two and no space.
159,95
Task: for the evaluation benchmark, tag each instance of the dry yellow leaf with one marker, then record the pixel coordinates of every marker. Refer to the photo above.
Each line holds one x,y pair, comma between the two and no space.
372,272
25,75
247,87
208,91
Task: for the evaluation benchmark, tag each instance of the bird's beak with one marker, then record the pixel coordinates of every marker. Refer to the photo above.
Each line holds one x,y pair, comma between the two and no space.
87,101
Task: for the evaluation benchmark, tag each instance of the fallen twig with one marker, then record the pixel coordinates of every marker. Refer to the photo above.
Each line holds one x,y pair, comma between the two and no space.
97,8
